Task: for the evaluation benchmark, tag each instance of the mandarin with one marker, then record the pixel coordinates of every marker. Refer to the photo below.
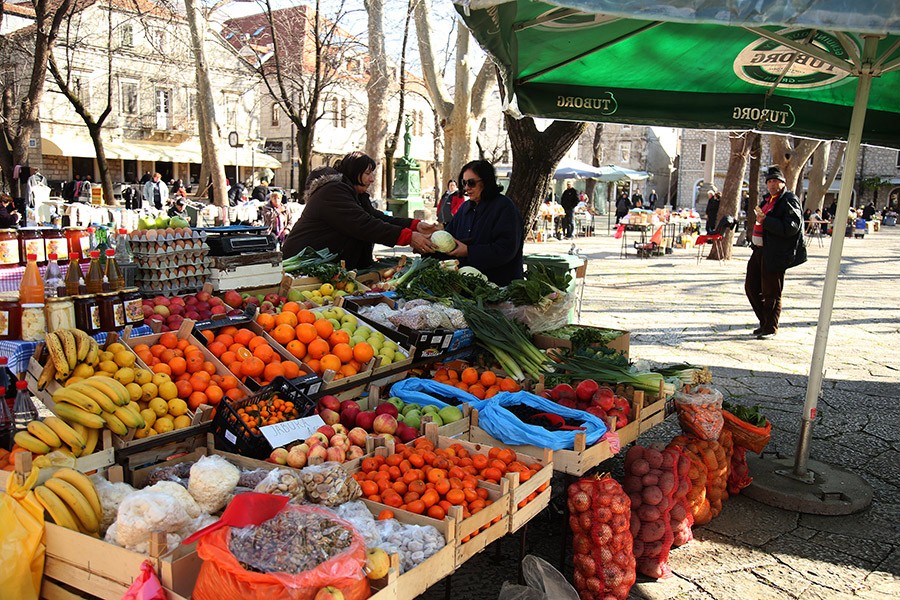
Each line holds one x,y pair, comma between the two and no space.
343,351
306,316
330,362
363,352
339,337
253,367
306,332
284,334
318,348
266,321
296,348
272,371
469,376
217,349
286,318
324,328
291,369
169,340
265,353
256,342
208,335
243,336
291,307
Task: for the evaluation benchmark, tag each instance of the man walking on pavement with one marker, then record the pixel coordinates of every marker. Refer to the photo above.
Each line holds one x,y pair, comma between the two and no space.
777,246
156,193
569,201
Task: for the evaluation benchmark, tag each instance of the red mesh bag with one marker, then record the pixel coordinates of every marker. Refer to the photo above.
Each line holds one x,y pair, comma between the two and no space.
650,482
680,517
739,476
599,516
711,456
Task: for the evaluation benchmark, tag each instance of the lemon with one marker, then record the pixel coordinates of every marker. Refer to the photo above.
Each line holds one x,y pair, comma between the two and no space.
142,376
167,390
117,347
159,406
83,370
327,289
107,355
135,391
149,391
182,421
140,434
164,425
161,378
125,375
177,407
108,366
124,358
149,417
151,432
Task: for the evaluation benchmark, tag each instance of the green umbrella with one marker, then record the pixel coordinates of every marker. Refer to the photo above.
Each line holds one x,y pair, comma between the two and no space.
820,68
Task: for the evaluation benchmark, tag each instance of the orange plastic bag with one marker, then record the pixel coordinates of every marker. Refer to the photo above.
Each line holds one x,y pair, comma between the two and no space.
223,578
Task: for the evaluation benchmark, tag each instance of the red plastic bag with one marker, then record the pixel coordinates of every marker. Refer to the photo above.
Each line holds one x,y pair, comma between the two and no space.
223,578
146,586
650,481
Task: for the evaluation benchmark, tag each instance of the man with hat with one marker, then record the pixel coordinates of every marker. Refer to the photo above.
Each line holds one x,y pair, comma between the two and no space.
778,245
177,209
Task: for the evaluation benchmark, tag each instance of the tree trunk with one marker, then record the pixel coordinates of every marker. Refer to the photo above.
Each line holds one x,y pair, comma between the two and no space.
304,154
206,108
822,175
377,93
535,155
596,150
791,154
102,164
741,143
753,177
392,140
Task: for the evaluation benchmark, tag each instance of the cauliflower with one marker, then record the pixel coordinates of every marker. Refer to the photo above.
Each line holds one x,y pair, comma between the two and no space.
111,495
177,491
144,512
212,481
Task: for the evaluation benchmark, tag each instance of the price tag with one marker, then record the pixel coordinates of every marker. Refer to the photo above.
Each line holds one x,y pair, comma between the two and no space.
280,434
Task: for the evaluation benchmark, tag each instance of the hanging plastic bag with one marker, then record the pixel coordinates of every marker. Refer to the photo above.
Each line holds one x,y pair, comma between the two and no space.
543,583
700,412
502,424
146,586
21,546
422,392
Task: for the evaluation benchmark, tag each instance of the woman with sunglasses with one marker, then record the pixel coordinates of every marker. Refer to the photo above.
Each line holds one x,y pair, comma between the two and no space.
488,228
339,216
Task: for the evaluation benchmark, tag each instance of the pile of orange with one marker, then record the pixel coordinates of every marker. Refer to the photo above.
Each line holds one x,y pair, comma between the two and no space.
315,341
195,377
426,480
267,412
485,384
248,355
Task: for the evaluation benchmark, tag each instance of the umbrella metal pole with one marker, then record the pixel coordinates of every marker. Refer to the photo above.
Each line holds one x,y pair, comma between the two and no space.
814,385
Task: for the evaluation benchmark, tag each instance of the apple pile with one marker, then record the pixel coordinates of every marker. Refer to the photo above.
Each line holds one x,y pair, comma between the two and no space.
170,312
265,303
382,421
592,398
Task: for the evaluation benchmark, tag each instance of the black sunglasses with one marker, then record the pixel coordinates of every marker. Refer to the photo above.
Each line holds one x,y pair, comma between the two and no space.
470,183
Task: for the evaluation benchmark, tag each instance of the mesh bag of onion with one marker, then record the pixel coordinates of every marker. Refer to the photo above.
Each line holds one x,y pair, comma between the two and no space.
650,483
680,518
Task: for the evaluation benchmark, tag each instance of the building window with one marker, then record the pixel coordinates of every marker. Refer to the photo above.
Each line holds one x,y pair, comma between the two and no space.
421,122
276,113
898,159
190,104
335,106
159,39
163,109
82,88
231,103
127,36
702,152
128,92
625,152
8,81
343,113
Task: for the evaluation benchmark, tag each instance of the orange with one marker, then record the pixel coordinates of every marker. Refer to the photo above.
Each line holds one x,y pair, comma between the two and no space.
313,364
324,328
318,348
237,367
243,336
243,353
184,389
198,384
217,348
291,369
436,512
166,355
330,362
214,394
253,367
169,340
194,363
348,370
230,330
477,390
238,394
157,349
228,383
178,365
256,341
469,376
266,321
385,515
272,371
306,316
227,358
343,351
416,506
363,352
287,318
209,367
162,368
339,337
141,348
296,348
291,307
225,339
508,385
306,332
265,353
488,378
456,497
284,334
196,399
208,335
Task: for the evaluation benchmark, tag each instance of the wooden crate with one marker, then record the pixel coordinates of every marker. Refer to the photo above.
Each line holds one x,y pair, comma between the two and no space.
653,414
406,586
620,344
451,430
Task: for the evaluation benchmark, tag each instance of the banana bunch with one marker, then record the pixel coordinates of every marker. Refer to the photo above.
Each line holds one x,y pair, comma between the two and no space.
68,348
71,501
98,402
43,437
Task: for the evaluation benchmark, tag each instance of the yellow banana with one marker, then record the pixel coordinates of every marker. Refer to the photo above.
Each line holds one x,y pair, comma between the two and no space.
84,485
93,436
73,414
44,433
31,443
129,417
68,434
96,394
58,510
76,502
111,388
82,342
68,344
114,424
93,355
58,356
48,373
74,397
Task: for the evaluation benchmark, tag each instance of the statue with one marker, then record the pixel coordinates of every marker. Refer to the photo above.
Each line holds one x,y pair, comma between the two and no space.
407,175
407,139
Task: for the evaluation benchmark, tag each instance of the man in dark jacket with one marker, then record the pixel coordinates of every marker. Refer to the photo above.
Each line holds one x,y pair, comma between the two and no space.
569,201
777,246
712,210
261,192
623,205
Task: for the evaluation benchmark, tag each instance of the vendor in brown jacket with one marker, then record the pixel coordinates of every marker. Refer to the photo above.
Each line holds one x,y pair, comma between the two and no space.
339,216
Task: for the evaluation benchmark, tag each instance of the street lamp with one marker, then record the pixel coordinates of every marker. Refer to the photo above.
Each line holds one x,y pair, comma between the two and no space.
234,142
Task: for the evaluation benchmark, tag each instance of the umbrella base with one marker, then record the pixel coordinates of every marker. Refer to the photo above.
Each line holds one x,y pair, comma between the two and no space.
832,492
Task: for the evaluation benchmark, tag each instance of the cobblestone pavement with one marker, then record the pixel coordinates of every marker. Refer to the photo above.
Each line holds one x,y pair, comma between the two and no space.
679,311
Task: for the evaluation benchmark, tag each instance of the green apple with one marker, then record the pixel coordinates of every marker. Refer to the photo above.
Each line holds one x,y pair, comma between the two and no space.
294,295
349,328
391,344
338,312
450,414
349,318
375,342
430,409
335,323
436,419
377,335
413,418
363,331
410,406
386,360
356,339
396,402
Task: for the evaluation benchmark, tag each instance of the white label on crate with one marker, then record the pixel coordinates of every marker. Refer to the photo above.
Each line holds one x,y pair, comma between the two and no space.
231,437
284,433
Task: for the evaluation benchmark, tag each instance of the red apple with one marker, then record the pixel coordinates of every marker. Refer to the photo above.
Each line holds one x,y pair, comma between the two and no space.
317,438
329,593
385,423
386,409
355,452
330,417
190,300
347,404
316,455
279,456
215,301
203,296
335,454
161,301
327,431
348,416
193,315
234,312
161,309
340,441
233,299
357,436
296,458
147,309
330,402
366,420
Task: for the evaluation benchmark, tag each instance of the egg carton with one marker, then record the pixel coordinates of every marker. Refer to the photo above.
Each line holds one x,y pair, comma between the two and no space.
160,235
173,287
189,259
170,274
156,249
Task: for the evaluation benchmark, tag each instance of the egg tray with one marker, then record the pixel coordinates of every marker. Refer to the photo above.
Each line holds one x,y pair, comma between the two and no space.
165,237
173,287
169,274
187,260
151,250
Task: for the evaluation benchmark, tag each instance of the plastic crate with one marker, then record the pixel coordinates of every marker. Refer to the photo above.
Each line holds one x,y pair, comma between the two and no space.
233,435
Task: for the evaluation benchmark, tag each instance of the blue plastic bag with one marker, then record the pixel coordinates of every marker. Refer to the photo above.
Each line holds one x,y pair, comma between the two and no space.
500,423
416,391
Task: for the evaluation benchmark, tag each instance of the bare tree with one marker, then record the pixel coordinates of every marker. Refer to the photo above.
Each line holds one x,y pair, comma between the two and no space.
392,140
596,153
823,173
741,142
459,115
791,155
377,86
535,155
19,111
753,176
